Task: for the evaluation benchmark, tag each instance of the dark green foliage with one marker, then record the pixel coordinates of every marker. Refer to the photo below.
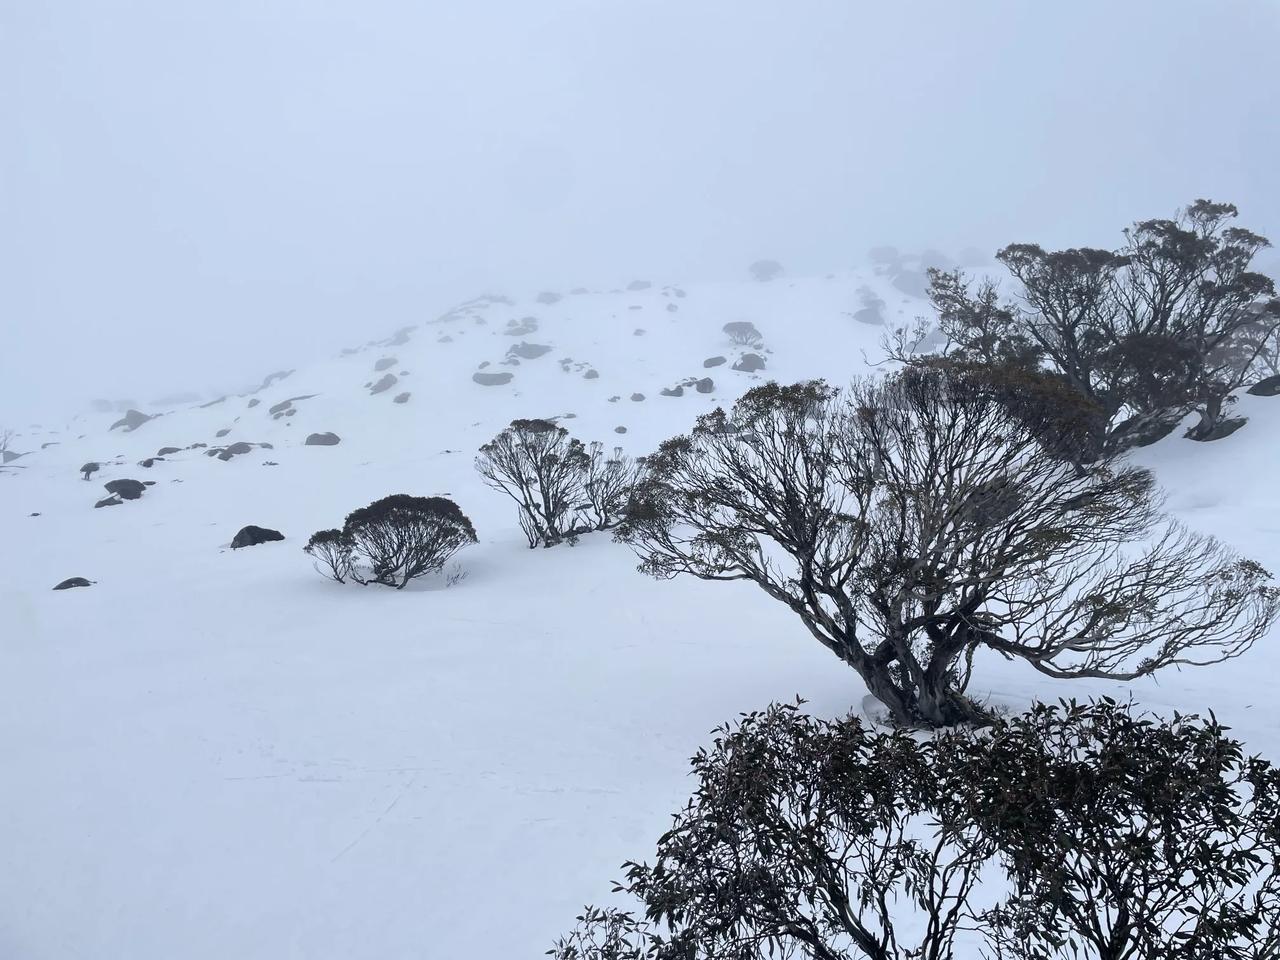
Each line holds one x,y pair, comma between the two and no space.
1126,836
1075,831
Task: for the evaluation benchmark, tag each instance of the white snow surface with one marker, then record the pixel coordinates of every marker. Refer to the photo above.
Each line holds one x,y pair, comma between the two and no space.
214,753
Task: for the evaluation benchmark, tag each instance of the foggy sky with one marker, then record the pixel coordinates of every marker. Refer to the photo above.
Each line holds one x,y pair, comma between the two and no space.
194,192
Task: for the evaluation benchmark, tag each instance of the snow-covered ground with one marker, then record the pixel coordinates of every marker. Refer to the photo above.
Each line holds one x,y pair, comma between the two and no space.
214,754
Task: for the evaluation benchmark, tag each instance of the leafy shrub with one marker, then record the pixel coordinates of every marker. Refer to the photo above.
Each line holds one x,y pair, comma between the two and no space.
392,541
1079,832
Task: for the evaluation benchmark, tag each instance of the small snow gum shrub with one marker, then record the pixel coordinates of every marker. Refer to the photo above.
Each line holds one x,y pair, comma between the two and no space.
765,270
742,332
332,553
1075,831
392,541
912,521
561,488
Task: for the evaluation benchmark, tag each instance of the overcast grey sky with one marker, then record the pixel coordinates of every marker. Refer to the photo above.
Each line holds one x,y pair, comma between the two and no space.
193,192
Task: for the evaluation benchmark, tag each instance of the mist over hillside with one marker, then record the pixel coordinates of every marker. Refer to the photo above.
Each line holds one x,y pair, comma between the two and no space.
426,426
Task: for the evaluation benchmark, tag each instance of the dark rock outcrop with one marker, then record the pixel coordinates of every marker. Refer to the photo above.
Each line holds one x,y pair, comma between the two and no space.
401,397
491,379
705,385
749,363
1270,387
251,536
386,363
713,362
125,488
323,440
528,351
234,450
132,420
388,381
73,582
165,451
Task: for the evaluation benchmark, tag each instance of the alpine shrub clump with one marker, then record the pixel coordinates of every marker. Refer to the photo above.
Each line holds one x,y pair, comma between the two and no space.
561,488
392,541
1074,832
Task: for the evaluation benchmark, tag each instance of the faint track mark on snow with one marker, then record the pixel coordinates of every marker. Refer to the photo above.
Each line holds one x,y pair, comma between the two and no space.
369,829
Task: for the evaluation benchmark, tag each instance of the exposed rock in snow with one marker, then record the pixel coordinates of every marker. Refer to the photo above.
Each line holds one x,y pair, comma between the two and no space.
71,582
528,351
132,420
125,488
388,381
323,440
1269,387
251,536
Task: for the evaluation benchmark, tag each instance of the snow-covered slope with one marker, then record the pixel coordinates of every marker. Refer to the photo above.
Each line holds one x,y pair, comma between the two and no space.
216,754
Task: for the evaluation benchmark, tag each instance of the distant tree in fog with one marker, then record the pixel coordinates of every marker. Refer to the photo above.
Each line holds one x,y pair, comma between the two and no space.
765,270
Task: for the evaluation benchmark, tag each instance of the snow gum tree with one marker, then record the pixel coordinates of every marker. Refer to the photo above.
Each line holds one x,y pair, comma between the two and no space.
561,487
912,522
1169,323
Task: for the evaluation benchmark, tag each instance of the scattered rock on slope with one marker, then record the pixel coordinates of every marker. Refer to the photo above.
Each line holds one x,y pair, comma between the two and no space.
132,420
491,379
73,582
323,440
386,363
1269,387
126,489
749,363
528,351
251,536
388,381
